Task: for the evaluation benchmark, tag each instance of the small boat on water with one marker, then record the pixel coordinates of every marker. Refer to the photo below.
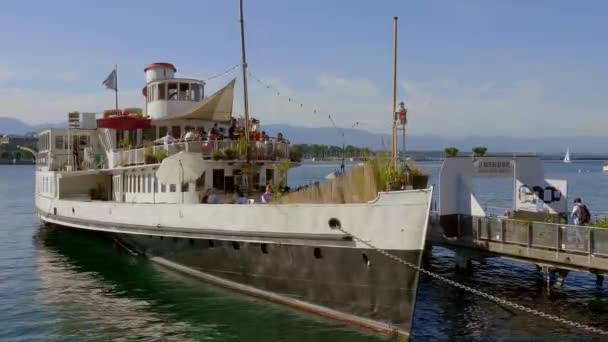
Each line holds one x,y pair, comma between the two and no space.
605,167
567,156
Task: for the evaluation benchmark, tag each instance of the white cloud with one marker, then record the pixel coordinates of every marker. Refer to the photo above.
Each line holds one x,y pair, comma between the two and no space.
443,107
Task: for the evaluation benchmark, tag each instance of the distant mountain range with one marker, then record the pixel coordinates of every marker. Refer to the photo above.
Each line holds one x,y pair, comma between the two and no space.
579,145
16,126
362,138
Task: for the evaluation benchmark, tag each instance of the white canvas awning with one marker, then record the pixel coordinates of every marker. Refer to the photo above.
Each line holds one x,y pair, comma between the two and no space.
217,107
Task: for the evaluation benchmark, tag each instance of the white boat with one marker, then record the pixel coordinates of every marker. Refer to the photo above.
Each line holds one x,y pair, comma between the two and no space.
105,176
605,167
567,156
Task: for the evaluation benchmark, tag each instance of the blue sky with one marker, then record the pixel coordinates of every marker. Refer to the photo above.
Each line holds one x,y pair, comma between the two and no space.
465,67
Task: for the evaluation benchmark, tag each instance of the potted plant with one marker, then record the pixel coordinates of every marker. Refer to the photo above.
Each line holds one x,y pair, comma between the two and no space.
149,157
217,154
160,155
230,153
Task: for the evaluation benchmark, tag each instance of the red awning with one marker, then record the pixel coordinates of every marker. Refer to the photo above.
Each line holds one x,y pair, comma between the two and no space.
123,122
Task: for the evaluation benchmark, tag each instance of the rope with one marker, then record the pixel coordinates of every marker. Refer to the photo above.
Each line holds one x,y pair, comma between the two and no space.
479,293
223,72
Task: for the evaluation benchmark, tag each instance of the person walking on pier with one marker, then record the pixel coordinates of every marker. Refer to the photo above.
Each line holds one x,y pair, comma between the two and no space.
580,217
580,213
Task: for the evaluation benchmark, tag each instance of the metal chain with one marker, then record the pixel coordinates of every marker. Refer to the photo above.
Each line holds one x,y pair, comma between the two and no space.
487,296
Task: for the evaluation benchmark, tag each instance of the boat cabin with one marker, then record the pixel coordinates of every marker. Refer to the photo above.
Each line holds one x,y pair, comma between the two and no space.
117,156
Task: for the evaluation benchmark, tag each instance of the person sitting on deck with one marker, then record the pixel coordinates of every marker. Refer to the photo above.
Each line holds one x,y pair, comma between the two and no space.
239,198
189,135
212,197
267,195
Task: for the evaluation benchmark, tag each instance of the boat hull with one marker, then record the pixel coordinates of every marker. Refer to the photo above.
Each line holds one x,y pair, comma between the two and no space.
341,282
285,253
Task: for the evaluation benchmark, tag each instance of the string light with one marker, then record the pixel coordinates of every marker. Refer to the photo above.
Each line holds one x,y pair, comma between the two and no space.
224,72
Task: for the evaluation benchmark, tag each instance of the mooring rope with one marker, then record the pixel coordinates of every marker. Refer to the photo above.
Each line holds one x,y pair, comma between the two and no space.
482,294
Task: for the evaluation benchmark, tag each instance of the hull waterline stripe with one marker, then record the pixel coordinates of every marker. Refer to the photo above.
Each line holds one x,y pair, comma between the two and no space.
335,239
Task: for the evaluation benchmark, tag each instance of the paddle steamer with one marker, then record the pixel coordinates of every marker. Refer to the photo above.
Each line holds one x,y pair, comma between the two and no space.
102,175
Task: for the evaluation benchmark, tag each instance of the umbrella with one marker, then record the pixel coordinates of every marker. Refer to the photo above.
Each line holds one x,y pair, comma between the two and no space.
181,168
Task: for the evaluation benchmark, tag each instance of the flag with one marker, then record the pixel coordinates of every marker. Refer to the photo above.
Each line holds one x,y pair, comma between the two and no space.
111,81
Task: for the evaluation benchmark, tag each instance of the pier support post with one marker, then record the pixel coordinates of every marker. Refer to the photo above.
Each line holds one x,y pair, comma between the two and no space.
463,260
599,280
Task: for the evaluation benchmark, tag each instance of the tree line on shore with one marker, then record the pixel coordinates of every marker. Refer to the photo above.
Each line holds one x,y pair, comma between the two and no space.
317,151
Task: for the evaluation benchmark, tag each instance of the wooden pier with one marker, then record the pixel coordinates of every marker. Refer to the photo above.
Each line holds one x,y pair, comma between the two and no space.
556,249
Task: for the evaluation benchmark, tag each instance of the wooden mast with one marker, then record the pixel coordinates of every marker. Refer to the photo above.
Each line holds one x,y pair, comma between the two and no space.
245,95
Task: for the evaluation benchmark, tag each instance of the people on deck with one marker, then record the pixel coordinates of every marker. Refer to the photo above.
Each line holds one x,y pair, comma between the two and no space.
280,137
215,129
212,197
265,136
239,198
267,195
232,131
222,134
189,135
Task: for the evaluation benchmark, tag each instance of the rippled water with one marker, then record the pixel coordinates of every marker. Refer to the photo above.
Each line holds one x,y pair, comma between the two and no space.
67,285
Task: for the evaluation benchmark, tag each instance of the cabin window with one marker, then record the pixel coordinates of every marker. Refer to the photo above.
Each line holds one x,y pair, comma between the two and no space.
149,186
148,134
195,92
84,140
162,91
269,176
163,188
184,89
151,93
59,142
172,91
218,179
155,182
162,131
185,187
139,184
172,188
176,131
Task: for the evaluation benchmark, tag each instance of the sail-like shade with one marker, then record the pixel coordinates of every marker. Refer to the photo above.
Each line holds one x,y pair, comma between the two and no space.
217,107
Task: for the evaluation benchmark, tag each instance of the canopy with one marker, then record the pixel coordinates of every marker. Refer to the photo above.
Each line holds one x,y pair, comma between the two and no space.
217,107
123,122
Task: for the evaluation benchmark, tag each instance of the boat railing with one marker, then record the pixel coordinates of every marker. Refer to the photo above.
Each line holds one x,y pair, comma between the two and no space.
271,150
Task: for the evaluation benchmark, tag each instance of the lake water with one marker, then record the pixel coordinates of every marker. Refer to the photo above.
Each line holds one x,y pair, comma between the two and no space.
67,286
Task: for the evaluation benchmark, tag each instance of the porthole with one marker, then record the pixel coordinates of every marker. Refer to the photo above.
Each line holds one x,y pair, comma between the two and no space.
236,245
318,253
366,259
55,211
264,248
191,241
334,223
211,243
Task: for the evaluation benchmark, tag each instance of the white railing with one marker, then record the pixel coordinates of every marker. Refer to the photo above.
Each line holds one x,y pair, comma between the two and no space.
217,149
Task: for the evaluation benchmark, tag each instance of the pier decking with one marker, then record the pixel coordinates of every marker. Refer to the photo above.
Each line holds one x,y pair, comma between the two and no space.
552,247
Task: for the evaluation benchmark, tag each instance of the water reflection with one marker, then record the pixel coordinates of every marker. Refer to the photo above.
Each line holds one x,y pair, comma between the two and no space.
95,291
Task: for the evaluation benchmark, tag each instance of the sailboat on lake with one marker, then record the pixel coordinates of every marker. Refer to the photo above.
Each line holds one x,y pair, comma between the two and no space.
567,156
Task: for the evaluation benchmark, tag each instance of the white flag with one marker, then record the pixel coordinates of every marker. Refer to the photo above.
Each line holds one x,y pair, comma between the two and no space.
111,81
